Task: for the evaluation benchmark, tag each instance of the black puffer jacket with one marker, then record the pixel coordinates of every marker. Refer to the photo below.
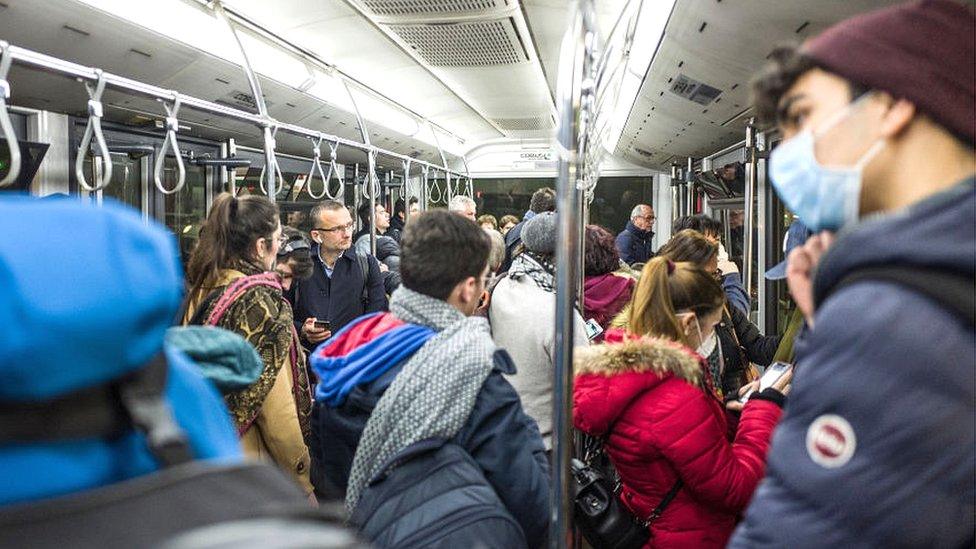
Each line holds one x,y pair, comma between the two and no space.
751,347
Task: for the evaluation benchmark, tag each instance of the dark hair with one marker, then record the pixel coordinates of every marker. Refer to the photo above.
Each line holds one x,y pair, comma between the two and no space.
601,255
297,250
363,212
666,288
700,222
440,249
543,200
787,63
413,200
226,239
399,207
691,246
324,206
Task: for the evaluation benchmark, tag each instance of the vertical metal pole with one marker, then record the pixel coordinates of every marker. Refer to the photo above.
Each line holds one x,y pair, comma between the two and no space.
373,185
690,181
356,196
575,64
750,208
762,222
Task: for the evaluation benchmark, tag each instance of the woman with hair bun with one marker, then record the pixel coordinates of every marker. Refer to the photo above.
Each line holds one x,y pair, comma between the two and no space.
233,286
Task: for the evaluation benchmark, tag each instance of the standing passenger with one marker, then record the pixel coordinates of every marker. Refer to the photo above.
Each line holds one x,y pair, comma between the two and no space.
649,396
878,116
543,200
634,242
428,369
488,221
606,289
522,313
238,244
344,283
506,224
464,206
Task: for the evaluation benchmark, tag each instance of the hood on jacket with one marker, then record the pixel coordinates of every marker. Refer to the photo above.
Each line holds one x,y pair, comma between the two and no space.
87,294
605,295
363,351
936,232
228,360
611,375
639,233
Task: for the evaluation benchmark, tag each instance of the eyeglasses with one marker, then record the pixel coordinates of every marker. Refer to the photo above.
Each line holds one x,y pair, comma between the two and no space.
346,227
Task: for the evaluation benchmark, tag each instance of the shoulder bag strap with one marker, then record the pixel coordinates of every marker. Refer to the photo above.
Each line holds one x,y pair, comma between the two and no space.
236,289
668,498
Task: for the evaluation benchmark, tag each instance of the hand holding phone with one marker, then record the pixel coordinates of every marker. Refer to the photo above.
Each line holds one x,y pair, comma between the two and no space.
593,329
774,373
322,324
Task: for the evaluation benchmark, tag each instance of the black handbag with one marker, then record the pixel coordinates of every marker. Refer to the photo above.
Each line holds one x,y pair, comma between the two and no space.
604,521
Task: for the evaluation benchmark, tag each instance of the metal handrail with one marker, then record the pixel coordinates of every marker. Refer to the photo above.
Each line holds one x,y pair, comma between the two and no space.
172,126
5,123
94,126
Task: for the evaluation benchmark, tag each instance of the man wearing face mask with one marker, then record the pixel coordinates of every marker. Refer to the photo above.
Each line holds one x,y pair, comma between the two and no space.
878,116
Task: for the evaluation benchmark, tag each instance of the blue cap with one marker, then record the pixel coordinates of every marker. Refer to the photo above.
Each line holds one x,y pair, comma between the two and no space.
797,234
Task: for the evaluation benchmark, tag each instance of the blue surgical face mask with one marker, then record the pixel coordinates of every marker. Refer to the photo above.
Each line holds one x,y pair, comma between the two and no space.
824,198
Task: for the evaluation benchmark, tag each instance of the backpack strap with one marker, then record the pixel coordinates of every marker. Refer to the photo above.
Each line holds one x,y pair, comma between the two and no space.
108,410
951,290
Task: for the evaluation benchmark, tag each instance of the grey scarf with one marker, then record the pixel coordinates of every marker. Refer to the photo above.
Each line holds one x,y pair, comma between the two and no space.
434,393
534,267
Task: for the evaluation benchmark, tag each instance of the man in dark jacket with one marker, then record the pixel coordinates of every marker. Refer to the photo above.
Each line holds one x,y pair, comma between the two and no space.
452,384
634,242
384,226
543,200
344,284
876,445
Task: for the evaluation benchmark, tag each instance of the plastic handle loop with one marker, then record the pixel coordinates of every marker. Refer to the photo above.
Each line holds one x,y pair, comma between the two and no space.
5,123
371,185
339,176
317,165
270,144
440,192
94,126
172,126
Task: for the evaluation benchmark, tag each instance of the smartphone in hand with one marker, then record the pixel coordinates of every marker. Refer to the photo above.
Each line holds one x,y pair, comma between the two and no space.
773,372
322,324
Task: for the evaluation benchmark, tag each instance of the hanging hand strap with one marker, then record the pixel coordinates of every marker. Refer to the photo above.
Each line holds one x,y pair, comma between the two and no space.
172,126
271,144
94,126
317,165
5,123
337,172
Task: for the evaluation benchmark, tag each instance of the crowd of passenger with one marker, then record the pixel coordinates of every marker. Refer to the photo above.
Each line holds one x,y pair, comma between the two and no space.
405,369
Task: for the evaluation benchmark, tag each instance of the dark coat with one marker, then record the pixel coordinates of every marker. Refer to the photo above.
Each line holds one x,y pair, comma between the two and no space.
512,239
338,299
876,446
503,441
634,244
752,347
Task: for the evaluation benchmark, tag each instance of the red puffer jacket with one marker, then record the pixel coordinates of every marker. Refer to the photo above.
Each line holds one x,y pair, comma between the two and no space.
654,398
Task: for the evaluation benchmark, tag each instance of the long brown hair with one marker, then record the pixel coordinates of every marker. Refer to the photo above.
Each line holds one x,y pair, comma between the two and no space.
228,236
689,245
666,287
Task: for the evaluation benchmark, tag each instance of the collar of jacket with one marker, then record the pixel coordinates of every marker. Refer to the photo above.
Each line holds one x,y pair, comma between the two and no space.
646,235
624,353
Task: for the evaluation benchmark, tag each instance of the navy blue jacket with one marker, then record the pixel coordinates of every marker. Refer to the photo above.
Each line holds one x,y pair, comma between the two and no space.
634,244
886,375
503,441
338,299
512,239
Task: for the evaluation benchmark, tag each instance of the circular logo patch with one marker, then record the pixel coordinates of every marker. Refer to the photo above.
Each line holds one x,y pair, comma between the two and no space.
831,441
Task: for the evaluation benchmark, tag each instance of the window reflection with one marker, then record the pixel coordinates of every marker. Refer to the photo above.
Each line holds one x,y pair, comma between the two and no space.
185,210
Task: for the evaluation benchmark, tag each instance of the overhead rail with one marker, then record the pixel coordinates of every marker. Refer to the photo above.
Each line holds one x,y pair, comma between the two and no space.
101,80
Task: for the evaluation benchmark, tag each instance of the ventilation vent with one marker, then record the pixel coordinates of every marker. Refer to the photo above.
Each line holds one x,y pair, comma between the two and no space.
693,90
524,124
476,44
643,152
401,8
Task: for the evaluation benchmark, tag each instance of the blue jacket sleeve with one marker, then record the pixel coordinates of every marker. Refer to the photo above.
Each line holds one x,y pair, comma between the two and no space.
876,445
507,446
625,247
375,291
735,293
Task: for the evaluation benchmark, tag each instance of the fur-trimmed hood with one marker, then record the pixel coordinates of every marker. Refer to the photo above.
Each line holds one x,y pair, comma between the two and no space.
611,375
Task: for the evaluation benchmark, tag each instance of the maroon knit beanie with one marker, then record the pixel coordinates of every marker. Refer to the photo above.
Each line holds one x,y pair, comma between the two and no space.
921,51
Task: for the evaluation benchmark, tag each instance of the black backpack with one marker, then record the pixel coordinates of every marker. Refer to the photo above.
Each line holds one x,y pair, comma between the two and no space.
186,504
434,495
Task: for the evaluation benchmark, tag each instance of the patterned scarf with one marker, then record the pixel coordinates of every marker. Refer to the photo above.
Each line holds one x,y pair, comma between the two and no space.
434,393
536,268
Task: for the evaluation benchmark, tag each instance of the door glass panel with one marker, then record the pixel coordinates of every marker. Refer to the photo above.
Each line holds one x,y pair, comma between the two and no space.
126,183
185,210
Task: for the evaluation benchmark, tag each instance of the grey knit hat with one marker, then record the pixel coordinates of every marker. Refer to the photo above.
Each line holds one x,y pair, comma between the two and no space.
539,233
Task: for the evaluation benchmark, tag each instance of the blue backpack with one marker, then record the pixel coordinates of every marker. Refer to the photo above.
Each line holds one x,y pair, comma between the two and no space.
434,495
